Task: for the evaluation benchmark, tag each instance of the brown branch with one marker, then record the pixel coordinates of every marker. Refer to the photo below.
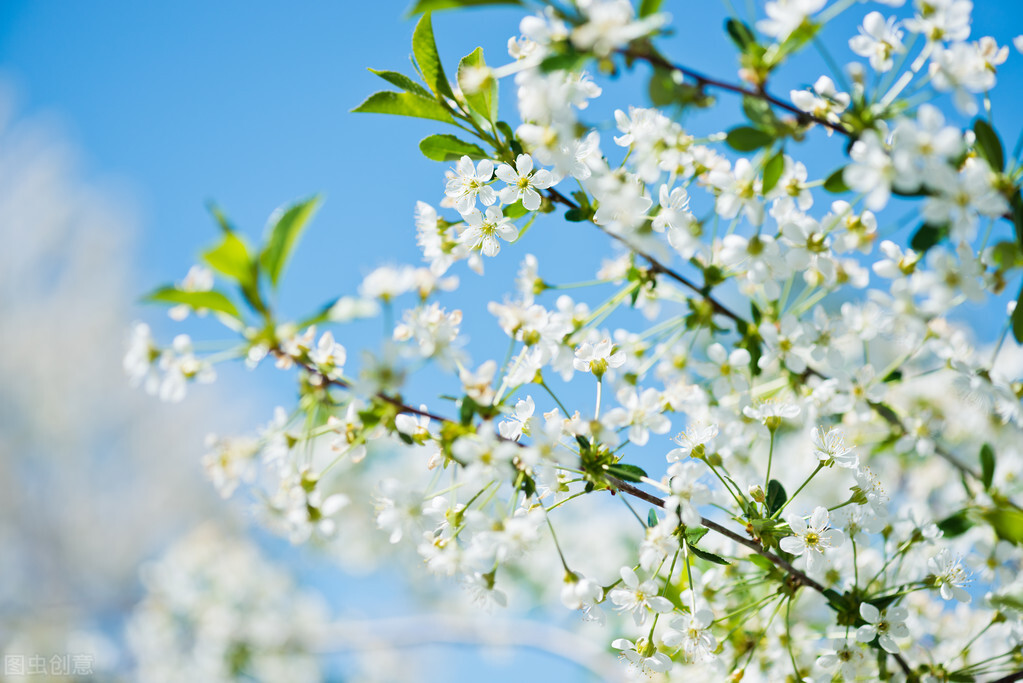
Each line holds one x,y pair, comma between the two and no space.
656,60
634,491
1014,676
799,576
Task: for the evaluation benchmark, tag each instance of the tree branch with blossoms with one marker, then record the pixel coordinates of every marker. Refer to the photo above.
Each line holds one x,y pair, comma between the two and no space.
851,371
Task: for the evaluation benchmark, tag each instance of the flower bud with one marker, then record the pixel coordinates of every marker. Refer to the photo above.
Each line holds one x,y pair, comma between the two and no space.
756,492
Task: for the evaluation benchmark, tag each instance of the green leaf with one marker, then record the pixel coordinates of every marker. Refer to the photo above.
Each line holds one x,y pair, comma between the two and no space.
1017,215
528,486
987,465
988,144
404,104
578,215
513,211
760,114
664,91
211,300
648,7
651,518
919,192
748,139
231,258
837,601
772,171
403,82
484,99
466,410
509,136
570,60
694,534
626,472
710,557
449,148
1007,254
434,5
803,33
956,524
424,47
776,496
835,183
926,236
740,33
1017,319
1007,600
283,230
1007,523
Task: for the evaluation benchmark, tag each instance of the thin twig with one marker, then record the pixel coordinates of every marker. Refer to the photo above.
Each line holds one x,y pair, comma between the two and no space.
799,576
701,79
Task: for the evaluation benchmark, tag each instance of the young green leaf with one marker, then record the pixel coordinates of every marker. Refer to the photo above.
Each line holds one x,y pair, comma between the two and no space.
231,258
478,85
569,60
740,33
1007,523
509,136
449,148
926,236
956,524
403,82
772,171
211,300
648,7
760,114
987,465
404,104
283,230
424,47
835,183
514,211
776,496
748,139
434,5
1017,215
665,91
988,144
710,557
626,472
651,518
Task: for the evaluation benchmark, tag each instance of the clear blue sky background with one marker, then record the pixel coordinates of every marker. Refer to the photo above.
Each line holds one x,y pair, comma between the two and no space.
247,103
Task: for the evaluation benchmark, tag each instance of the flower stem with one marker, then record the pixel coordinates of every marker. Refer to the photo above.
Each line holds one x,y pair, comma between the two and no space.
820,466
770,457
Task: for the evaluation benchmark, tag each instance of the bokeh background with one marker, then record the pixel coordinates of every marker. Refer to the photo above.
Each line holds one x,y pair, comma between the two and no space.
119,120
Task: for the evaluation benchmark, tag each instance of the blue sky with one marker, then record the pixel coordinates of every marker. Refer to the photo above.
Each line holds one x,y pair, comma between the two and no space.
247,103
